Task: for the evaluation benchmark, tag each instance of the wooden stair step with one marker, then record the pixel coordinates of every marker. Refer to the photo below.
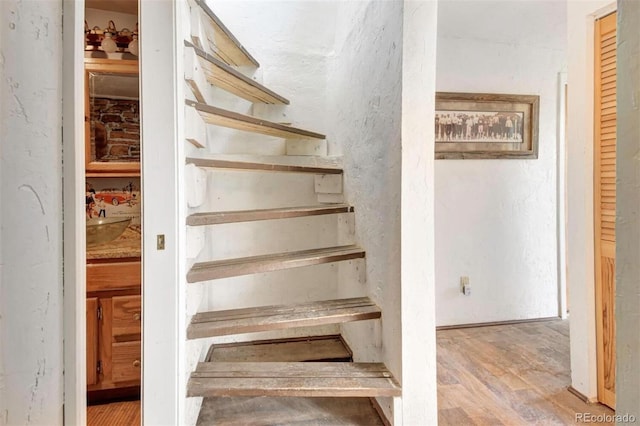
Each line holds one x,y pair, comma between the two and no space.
296,349
234,120
204,271
268,163
258,411
216,218
219,40
278,317
222,75
292,379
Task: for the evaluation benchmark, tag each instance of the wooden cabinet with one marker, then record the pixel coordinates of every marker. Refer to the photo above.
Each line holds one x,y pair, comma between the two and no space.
114,318
112,161
92,340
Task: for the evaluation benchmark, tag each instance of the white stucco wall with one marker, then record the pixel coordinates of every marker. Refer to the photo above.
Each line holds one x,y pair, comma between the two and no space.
496,219
293,54
580,267
628,209
31,213
365,108
419,400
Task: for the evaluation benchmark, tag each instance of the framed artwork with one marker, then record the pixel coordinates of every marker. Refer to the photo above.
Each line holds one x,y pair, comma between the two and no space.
112,117
113,217
482,125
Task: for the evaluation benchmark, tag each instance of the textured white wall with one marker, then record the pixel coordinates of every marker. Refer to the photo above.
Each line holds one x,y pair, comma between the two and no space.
496,219
293,54
419,400
31,213
365,109
628,220
580,269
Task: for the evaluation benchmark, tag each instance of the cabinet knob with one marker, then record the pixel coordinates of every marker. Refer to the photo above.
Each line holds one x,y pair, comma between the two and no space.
136,316
136,363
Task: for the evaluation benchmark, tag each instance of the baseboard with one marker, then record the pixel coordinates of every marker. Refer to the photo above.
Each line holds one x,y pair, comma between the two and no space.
494,323
380,411
582,396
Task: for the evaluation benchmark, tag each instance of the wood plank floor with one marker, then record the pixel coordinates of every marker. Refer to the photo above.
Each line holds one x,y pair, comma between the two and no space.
115,414
508,375
502,375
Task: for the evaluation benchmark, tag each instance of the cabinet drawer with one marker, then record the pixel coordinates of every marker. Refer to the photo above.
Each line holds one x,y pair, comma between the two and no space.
125,361
113,275
126,314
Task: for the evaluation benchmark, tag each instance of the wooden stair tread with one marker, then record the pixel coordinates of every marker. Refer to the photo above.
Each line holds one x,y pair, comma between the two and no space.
297,349
234,120
222,75
204,271
320,379
215,218
222,42
260,411
277,317
267,163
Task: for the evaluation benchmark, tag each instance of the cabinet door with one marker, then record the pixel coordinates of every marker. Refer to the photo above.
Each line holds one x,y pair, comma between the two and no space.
126,361
92,340
127,316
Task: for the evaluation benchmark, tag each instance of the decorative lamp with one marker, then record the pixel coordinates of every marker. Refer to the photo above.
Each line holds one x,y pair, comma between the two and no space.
108,44
133,45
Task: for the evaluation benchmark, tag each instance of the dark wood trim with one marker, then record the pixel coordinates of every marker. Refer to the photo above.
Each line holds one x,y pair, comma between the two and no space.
494,323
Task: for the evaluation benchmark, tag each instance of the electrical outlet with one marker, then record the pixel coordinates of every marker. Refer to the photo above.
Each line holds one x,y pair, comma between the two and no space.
465,288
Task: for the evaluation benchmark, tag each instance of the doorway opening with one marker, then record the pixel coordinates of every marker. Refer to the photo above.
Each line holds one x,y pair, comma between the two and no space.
113,204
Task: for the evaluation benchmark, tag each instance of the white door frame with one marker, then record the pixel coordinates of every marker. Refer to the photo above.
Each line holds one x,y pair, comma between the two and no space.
579,178
164,323
163,289
74,254
561,188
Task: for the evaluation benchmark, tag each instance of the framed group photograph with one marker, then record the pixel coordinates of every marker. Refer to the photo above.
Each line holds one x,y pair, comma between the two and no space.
482,125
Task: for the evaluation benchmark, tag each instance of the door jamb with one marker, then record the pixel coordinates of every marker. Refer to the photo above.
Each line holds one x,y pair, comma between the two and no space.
562,196
73,209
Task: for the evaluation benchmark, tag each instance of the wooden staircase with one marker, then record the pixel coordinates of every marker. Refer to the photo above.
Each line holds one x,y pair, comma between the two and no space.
212,56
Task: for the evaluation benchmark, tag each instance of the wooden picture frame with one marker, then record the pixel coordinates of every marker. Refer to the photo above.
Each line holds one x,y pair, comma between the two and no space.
106,67
486,126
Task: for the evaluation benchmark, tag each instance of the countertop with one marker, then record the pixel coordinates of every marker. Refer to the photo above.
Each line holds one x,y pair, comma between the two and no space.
126,245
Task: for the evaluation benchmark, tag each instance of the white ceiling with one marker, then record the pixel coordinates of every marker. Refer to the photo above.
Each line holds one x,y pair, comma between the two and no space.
122,6
539,23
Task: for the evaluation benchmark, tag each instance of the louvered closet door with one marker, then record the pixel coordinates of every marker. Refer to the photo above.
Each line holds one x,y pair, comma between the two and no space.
605,204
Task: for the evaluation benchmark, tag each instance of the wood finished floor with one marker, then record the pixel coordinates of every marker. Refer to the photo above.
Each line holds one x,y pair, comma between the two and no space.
502,375
114,414
508,375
